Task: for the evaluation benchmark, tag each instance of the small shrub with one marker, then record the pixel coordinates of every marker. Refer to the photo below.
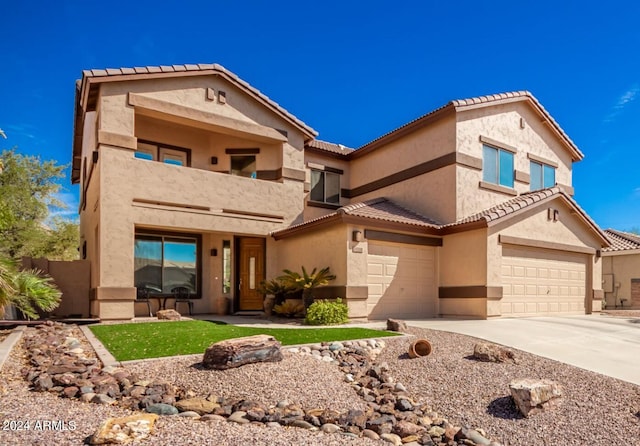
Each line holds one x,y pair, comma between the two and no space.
289,309
324,312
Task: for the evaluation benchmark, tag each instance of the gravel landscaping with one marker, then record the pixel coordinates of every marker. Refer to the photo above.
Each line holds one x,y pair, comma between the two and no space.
595,410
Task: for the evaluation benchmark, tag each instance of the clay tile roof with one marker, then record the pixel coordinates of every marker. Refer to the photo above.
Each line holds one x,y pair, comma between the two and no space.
387,210
622,241
509,207
481,100
329,147
377,209
178,69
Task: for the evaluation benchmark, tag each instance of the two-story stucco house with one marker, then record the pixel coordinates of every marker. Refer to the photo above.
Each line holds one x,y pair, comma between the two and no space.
191,177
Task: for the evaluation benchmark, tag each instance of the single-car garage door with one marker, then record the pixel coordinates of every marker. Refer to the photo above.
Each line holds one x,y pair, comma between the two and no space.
540,282
401,280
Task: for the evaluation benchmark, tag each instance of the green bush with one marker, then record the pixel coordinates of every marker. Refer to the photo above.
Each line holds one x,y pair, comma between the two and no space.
324,312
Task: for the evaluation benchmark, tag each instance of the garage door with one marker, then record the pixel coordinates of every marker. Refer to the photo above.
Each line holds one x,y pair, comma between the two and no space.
540,282
401,280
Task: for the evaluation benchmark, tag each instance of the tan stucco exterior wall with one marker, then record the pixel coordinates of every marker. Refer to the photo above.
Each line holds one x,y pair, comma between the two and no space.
515,125
317,249
463,263
135,193
624,267
433,193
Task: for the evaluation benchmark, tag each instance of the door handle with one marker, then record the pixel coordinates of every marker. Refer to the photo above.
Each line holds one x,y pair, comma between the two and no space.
239,284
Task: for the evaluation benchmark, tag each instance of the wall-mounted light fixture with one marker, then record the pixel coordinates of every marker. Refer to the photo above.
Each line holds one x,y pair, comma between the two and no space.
214,252
357,236
214,160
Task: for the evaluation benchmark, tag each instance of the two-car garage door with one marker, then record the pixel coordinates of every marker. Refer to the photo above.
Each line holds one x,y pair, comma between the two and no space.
539,282
402,281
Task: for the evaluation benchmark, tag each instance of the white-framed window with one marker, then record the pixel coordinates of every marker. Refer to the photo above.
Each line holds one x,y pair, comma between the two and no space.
497,166
151,151
243,166
542,175
325,187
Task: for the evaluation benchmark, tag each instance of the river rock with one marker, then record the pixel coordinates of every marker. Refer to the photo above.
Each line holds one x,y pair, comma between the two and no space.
199,405
125,429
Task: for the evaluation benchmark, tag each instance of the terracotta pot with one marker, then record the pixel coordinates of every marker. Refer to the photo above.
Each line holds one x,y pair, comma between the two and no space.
420,347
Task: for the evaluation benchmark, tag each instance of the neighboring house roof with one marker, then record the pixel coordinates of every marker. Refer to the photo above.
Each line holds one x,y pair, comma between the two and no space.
325,146
380,209
465,104
388,212
622,241
87,94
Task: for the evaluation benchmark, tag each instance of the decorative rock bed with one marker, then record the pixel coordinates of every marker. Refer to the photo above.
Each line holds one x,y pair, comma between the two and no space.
58,363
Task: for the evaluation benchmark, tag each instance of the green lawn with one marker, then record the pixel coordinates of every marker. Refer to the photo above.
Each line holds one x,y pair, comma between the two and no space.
156,339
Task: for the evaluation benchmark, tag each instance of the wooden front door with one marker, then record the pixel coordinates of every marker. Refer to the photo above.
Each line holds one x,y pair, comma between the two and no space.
251,272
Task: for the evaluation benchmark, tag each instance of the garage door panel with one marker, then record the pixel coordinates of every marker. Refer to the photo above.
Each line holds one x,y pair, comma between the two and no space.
542,282
375,269
405,285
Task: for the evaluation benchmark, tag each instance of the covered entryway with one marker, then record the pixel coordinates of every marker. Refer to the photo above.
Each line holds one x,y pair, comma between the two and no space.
542,282
401,281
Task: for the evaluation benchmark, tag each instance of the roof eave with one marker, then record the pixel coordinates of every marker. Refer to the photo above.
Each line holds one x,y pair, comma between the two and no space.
344,218
326,153
621,252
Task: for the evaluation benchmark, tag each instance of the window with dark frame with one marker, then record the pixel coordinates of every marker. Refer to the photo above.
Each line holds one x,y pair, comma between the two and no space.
325,187
542,175
243,166
164,262
151,151
497,166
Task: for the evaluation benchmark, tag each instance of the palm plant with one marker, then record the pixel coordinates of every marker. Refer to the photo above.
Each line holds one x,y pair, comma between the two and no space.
307,282
7,271
27,290
276,288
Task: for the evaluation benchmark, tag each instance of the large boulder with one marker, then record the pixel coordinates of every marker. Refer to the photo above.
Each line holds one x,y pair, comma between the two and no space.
485,351
233,353
396,325
535,395
168,315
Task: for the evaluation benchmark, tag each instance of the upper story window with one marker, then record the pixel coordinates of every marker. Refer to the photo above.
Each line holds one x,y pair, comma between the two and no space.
497,166
542,175
243,166
160,152
325,187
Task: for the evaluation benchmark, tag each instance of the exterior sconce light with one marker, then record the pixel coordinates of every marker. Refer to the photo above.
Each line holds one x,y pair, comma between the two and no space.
214,252
214,160
357,236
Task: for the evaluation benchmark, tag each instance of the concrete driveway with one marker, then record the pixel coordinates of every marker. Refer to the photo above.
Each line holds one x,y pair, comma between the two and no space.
603,344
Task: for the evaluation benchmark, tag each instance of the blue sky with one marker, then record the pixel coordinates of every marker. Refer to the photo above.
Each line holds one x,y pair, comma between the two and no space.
351,70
